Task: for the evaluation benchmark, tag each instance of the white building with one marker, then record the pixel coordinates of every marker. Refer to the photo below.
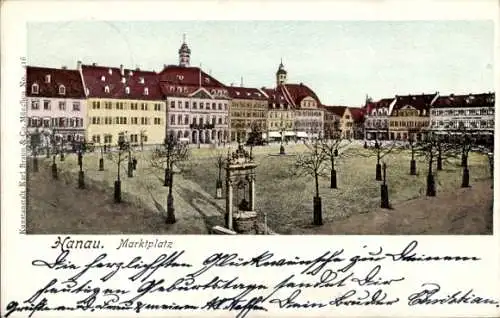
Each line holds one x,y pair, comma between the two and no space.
473,112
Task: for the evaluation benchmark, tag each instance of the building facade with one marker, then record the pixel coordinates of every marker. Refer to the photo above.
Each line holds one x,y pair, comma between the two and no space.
248,110
197,103
123,102
409,116
295,111
376,122
332,117
473,112
56,104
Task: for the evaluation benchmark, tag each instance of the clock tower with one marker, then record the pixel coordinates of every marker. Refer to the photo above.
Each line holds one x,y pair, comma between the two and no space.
184,53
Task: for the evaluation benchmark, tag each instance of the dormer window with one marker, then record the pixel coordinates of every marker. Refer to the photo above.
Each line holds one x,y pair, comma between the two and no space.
130,73
62,90
238,93
34,88
106,89
110,71
172,89
179,89
207,80
180,77
141,80
146,91
103,78
47,78
123,80
127,90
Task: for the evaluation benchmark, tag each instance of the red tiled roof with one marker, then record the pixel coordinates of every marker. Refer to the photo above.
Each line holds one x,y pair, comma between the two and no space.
136,80
188,76
358,114
419,102
246,93
277,96
471,100
299,91
337,110
69,78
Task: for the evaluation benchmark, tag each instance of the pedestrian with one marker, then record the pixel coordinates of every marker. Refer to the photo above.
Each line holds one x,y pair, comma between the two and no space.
134,162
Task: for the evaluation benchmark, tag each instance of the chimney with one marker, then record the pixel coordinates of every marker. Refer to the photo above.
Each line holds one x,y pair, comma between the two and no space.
121,70
79,65
137,69
141,80
64,67
47,78
241,81
110,71
94,64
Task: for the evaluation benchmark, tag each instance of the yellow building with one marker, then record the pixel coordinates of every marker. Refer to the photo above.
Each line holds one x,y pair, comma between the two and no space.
409,117
122,101
248,109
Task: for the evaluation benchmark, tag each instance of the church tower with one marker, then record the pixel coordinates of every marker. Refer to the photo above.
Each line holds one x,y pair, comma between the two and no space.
281,74
184,53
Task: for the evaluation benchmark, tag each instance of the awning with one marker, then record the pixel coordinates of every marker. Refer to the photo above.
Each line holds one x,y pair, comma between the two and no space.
274,134
289,133
301,134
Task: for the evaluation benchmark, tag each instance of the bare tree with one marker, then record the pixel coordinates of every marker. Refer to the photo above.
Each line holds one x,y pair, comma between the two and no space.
334,148
219,161
433,149
465,141
35,144
313,162
119,158
167,158
380,150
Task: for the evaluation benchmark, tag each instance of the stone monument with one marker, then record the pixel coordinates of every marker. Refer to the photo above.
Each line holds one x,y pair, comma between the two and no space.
240,170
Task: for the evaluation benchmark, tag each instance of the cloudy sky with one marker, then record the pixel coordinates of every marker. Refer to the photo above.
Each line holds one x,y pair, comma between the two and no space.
341,61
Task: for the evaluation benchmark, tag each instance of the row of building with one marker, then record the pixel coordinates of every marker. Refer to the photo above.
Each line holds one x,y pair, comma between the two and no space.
100,103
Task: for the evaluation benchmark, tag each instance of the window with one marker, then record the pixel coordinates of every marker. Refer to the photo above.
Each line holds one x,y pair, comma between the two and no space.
34,89
62,105
186,120
96,105
108,139
157,121
119,105
46,122
172,120
47,78
201,121
46,105
146,91
133,120
144,106
172,104
201,105
127,90
213,105
194,105
158,107
225,106
133,138
108,105
96,138
179,119
35,105
179,104
106,89
62,90
186,104
76,106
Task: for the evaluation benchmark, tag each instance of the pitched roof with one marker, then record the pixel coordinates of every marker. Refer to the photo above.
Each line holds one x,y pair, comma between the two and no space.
97,78
299,91
337,110
419,102
471,100
70,79
358,114
277,96
382,103
246,93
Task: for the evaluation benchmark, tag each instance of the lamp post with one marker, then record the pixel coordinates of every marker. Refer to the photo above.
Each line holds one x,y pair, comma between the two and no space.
81,180
282,148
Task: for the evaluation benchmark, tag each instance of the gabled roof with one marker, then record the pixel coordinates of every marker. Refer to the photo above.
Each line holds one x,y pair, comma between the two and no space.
419,102
471,100
70,79
382,103
97,78
246,93
337,110
358,114
300,91
277,96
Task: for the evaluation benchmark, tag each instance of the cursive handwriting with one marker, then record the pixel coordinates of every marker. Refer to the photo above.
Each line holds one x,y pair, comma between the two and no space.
225,281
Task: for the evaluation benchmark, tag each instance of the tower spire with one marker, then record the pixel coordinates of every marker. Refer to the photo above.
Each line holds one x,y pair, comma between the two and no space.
183,37
184,53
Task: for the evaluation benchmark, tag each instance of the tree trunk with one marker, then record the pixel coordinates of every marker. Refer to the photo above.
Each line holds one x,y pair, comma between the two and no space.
464,159
439,160
465,178
130,169
431,186
101,164
81,180
317,211
316,183
170,203
378,172
333,179
413,167
384,196
118,191
54,170
35,163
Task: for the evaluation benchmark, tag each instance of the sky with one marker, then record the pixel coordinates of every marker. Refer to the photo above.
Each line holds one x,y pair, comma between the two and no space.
342,61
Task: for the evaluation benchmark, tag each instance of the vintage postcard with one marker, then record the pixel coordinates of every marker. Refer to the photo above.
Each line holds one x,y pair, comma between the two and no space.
200,159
